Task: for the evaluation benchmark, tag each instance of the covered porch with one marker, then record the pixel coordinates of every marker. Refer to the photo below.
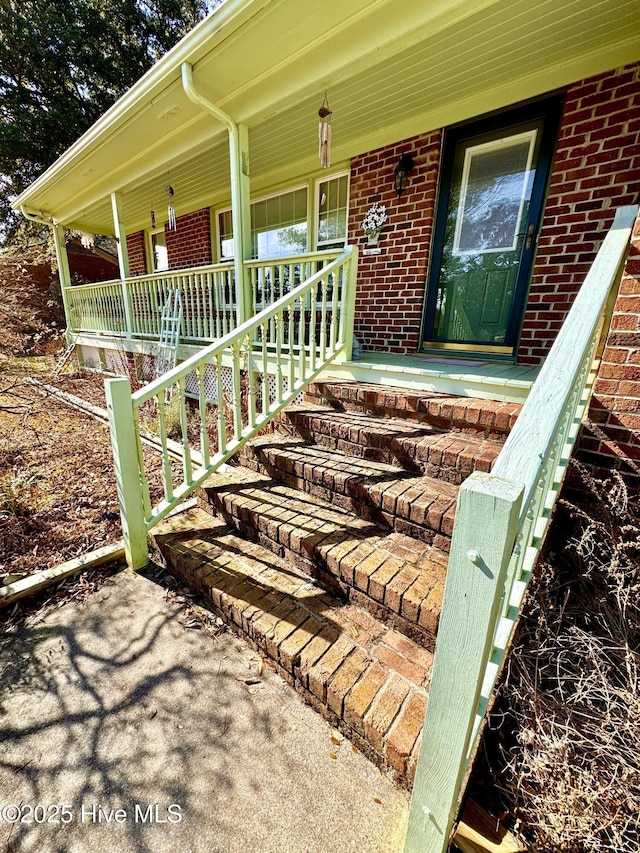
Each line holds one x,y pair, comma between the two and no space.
217,134
126,315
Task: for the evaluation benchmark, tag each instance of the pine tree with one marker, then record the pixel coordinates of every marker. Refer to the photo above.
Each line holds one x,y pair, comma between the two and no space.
62,64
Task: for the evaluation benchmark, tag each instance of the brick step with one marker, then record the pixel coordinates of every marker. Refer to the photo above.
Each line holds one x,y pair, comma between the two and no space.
489,418
396,578
445,454
367,679
387,495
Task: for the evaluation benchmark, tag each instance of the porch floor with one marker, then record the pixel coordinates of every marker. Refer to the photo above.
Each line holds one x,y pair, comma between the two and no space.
488,380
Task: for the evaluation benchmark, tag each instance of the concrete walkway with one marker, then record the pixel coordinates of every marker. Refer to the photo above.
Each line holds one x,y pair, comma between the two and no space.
152,737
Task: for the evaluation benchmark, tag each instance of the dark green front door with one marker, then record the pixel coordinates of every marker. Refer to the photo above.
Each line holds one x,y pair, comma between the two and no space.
495,175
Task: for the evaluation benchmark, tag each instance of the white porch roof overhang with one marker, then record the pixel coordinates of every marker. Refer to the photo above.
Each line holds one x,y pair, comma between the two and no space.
393,69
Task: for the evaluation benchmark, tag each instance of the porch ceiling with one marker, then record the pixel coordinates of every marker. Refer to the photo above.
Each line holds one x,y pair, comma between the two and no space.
393,68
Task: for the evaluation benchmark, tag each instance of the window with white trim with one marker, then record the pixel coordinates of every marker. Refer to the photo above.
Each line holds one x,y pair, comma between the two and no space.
159,254
225,235
280,225
333,200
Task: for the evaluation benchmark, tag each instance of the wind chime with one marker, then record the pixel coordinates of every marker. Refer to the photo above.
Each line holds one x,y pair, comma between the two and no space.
171,213
324,133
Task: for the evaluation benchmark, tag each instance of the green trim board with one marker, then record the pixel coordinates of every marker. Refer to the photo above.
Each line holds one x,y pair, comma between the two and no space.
501,381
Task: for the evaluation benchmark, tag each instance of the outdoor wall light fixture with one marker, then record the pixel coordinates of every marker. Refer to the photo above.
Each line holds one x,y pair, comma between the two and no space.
401,172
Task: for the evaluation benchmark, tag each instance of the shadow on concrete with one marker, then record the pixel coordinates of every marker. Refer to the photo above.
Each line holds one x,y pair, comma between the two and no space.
117,705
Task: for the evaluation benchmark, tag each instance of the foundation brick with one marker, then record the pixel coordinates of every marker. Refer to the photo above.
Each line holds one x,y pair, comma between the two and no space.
362,694
345,678
404,733
383,711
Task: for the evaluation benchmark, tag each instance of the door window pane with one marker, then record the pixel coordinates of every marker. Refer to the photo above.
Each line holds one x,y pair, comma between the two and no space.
496,180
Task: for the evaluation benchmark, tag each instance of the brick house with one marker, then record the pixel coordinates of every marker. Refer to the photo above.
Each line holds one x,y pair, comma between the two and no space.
500,141
584,149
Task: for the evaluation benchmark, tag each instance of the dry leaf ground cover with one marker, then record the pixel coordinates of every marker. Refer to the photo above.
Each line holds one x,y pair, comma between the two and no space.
57,485
564,740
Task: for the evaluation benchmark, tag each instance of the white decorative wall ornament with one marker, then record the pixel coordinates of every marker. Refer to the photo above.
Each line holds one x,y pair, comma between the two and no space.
374,221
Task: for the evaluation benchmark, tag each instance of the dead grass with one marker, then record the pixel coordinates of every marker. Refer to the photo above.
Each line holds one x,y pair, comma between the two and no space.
567,722
58,494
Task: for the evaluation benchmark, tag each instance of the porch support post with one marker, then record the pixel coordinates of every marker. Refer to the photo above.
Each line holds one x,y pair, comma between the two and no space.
123,256
64,272
240,192
241,218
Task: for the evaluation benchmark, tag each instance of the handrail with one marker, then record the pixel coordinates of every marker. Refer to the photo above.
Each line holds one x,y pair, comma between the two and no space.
269,359
501,520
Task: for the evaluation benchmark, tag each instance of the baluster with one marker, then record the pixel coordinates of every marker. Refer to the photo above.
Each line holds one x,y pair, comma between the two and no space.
141,306
323,321
333,327
115,310
202,308
251,383
209,316
265,370
133,302
144,483
279,328
197,312
229,298
271,330
184,428
291,307
160,299
187,306
234,298
167,477
302,317
312,330
202,405
237,407
216,292
254,273
222,428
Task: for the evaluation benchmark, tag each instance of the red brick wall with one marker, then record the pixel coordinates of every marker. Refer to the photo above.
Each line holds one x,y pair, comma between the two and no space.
612,438
190,244
391,285
137,253
91,267
596,170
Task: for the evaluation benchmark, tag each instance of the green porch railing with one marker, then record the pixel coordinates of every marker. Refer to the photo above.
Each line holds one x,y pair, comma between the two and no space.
132,307
268,361
500,524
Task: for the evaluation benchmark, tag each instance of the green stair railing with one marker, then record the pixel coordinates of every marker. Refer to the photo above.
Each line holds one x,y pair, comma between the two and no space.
238,384
501,520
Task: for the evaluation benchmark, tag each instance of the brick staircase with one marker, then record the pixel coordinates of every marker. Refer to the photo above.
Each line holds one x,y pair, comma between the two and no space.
326,547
